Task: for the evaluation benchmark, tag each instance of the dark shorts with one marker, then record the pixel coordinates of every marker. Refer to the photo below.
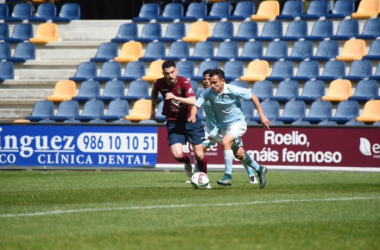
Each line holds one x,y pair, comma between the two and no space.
183,131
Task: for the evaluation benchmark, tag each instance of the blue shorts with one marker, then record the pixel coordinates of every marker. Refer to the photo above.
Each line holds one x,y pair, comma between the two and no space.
184,131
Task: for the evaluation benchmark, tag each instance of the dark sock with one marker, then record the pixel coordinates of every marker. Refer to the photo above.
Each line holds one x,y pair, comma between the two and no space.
202,165
184,159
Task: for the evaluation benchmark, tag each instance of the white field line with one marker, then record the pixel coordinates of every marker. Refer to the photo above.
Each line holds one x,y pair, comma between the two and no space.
181,206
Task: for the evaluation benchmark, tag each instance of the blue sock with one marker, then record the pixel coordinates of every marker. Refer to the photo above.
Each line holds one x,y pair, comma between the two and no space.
249,161
228,159
249,170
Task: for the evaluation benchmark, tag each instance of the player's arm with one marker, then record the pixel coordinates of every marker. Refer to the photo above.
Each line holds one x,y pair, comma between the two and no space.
184,100
154,96
263,118
193,113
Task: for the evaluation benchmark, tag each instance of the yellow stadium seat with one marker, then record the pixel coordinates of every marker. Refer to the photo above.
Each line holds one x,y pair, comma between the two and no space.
367,9
353,50
21,121
141,111
154,72
339,90
131,51
267,10
64,90
199,31
256,71
46,32
371,112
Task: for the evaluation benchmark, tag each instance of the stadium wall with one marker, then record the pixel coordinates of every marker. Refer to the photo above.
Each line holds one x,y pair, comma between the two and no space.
87,146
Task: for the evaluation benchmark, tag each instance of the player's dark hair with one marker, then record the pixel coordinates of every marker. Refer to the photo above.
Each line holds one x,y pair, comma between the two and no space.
206,72
167,64
217,72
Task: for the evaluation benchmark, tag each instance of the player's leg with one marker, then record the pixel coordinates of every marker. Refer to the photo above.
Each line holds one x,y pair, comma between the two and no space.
194,134
240,155
176,141
227,142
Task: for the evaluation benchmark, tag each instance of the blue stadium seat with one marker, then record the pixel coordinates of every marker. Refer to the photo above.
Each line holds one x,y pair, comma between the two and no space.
41,110
248,108
113,89
312,91
293,111
233,70
371,29
251,50
252,123
286,91
67,110
93,109
327,123
6,71
276,123
300,123
243,10
194,85
195,11
21,32
21,11
133,70
222,31
186,69
376,123
347,29
365,91
154,51
109,71
333,70
126,33
88,90
159,116
148,11
316,9
227,50
354,123
346,111
276,50
72,121
4,31
326,50
281,70
85,71
45,11
178,50
374,51
174,32
263,90
271,110
342,9
122,121
301,50
239,83
148,121
204,66
202,50
68,12
117,109
246,31
150,32
321,30
296,30
359,70
271,30
376,76
4,11
106,51
24,52
5,50
291,10
307,70
171,12
97,120
138,89
319,111
219,10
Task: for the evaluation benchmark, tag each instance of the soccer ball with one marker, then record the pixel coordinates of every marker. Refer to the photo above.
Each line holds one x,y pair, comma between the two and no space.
199,180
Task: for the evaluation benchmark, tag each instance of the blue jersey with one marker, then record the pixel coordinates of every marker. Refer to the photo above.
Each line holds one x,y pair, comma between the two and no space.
227,105
211,119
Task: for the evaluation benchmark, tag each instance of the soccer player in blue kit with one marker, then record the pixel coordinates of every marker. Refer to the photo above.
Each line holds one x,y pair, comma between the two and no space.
225,101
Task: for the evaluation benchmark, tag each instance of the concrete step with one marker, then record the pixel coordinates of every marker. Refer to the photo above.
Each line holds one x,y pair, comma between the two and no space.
25,93
74,55
44,73
13,114
29,83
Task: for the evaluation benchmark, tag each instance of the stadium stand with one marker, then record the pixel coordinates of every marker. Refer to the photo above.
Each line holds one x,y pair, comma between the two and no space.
276,50
267,10
154,72
46,32
239,83
316,10
374,51
281,70
353,50
42,110
246,31
130,51
347,29
271,110
148,12
116,110
4,11
204,66
327,50
301,50
85,71
359,69
319,111
371,29
338,90
291,10
178,50
174,32
252,50
195,11
270,31
233,70
307,70
154,51
342,9
227,50
88,90
23,52
6,71
45,12
312,90
243,10
293,111
257,70
366,90
106,52
110,70
141,111
202,51
68,12
346,111
367,9
219,10
321,30
114,89
64,90
138,89
333,70
286,91
67,110
171,12
21,12
93,109
199,31
296,30
371,112
127,32
263,90
222,31
150,33
186,69
21,32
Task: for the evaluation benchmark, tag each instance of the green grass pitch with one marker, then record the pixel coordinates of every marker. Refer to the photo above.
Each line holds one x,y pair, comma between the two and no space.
157,210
